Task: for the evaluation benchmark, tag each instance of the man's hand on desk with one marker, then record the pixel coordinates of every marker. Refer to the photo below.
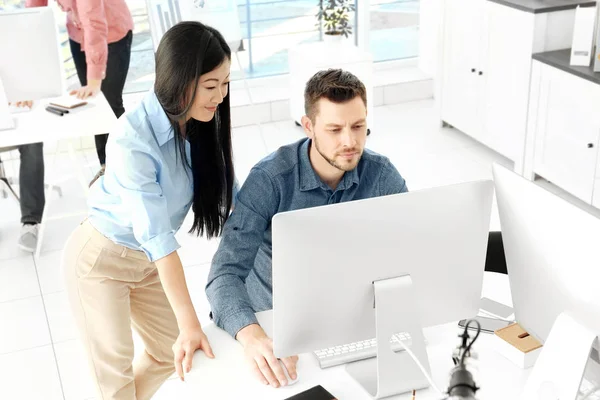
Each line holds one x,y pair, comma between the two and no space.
90,90
258,350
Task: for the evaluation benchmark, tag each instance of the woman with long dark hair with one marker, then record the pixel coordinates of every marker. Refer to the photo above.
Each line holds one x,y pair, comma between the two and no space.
121,265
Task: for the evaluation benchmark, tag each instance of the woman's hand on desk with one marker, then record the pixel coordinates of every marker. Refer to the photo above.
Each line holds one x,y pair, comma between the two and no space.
90,90
188,341
191,337
258,350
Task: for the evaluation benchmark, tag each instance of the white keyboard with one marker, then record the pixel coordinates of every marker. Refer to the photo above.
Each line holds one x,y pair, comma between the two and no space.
358,351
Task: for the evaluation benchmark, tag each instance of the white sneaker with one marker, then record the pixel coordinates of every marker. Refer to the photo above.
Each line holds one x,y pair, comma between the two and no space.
29,237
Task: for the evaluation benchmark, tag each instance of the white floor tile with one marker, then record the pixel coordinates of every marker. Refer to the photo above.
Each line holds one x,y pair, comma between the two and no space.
60,318
18,279
196,277
377,96
10,229
407,91
251,114
487,157
281,134
24,325
58,231
74,371
49,272
194,250
433,170
30,374
280,110
248,149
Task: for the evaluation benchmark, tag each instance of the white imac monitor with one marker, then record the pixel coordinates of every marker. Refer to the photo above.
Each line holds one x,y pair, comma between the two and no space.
31,67
30,63
372,268
552,250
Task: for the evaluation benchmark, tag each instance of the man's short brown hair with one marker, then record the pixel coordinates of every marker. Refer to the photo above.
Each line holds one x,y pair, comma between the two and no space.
335,85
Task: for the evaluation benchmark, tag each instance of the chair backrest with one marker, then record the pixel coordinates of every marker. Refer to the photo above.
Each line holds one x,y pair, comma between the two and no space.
220,14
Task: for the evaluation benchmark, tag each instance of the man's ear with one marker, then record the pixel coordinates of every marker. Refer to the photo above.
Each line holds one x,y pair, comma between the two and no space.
307,126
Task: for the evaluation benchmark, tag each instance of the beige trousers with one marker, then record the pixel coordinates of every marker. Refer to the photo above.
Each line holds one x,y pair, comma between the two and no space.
112,288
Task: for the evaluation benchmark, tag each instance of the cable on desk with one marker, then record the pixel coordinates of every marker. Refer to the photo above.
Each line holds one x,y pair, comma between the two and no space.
465,334
423,370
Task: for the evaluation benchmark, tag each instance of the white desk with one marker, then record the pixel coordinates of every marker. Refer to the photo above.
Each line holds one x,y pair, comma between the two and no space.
228,377
39,125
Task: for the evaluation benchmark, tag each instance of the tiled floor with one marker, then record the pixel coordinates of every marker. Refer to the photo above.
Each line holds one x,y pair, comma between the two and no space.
37,335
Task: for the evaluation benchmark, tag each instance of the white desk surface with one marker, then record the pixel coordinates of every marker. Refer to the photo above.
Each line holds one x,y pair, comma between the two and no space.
228,377
39,125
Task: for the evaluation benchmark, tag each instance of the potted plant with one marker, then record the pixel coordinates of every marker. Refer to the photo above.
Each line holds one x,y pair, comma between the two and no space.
333,15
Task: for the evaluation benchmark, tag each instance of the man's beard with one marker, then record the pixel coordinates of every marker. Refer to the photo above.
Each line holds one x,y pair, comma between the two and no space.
332,162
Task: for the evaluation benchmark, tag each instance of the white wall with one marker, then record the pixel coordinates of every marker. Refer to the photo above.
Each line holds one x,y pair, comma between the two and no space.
429,35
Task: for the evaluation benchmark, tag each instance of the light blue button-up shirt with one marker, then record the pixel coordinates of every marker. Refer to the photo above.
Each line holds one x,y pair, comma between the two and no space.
147,190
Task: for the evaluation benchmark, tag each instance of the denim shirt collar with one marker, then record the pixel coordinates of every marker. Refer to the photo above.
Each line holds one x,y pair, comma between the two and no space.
309,180
158,118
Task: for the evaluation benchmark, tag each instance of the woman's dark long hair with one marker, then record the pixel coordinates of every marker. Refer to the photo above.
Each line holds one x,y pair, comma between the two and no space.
186,51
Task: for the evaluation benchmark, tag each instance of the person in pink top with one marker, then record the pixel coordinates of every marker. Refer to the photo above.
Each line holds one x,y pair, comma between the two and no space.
100,33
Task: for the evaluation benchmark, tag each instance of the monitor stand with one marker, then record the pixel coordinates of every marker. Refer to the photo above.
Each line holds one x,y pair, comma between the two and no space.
6,120
392,373
560,367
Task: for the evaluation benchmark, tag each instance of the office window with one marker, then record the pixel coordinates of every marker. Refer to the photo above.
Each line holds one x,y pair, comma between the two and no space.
394,30
270,28
141,66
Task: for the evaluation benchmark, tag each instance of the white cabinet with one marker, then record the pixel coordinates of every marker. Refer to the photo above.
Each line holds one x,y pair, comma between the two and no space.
306,60
565,130
506,69
462,91
487,59
487,49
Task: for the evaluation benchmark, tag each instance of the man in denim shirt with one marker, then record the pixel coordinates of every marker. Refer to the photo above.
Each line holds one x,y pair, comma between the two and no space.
329,167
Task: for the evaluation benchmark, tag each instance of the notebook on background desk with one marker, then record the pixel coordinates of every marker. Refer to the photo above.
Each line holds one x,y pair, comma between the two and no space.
68,102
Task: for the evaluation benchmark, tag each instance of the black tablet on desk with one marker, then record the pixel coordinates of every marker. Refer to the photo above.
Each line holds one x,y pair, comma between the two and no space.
315,393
